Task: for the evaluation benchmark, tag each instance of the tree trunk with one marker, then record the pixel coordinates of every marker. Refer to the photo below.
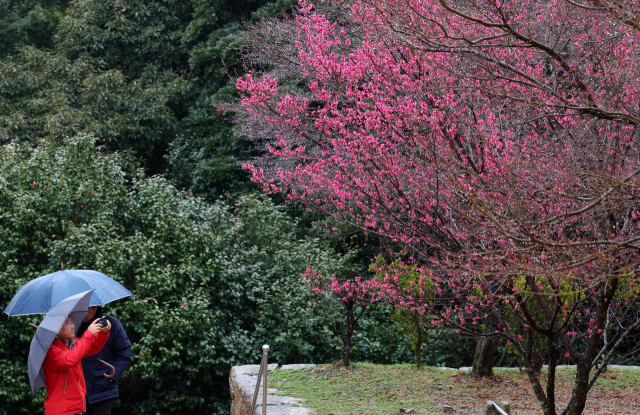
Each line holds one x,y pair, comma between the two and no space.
504,353
551,376
533,356
349,326
584,365
484,355
581,388
346,346
418,345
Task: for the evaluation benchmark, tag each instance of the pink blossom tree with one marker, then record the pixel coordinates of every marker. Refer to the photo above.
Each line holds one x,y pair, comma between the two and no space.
498,141
353,296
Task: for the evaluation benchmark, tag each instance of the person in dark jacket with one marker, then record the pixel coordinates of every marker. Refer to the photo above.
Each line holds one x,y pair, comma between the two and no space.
101,391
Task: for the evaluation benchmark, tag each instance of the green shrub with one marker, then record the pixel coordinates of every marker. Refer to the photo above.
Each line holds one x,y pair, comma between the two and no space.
211,282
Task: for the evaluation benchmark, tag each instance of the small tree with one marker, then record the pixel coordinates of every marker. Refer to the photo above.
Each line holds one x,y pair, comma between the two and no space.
413,318
414,323
350,296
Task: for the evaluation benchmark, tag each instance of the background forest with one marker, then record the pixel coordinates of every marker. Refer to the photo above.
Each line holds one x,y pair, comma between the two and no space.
115,158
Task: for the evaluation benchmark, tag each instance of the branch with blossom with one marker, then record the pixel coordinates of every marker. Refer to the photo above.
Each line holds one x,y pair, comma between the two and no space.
496,141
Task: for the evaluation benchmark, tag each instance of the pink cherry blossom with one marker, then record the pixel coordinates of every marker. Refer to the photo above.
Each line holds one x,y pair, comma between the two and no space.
496,142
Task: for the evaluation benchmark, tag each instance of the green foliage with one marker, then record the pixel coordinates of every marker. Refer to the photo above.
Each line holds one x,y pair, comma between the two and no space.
206,154
46,95
415,326
114,69
379,339
383,338
127,35
414,321
31,22
212,282
143,76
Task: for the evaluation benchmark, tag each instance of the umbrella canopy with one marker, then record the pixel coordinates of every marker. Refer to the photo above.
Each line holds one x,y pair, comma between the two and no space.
75,306
39,295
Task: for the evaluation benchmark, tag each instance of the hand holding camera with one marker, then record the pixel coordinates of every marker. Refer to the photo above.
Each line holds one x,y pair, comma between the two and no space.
100,324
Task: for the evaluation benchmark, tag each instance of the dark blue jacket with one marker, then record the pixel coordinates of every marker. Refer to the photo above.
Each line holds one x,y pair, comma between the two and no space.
116,352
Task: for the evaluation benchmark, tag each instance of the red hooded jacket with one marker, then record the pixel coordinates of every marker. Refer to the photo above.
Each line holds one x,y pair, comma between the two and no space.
63,373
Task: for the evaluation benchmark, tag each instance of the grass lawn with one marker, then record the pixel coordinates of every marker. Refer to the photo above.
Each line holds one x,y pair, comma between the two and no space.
393,389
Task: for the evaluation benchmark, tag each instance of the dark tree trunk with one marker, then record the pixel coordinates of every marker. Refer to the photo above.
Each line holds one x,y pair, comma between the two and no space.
346,346
533,355
551,377
419,340
581,387
504,353
484,355
585,363
350,318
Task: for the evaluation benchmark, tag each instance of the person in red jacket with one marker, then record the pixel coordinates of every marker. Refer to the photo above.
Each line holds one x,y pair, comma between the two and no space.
62,369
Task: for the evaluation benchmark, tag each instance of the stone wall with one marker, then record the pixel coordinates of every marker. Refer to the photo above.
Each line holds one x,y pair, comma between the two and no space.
242,383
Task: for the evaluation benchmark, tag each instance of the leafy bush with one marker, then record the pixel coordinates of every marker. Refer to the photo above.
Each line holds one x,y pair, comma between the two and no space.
211,282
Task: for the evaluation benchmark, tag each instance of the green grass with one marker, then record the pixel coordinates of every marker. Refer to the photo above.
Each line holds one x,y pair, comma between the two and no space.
390,389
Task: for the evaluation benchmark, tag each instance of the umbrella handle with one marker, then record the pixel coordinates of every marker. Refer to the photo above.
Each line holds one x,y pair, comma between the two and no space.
113,369
33,325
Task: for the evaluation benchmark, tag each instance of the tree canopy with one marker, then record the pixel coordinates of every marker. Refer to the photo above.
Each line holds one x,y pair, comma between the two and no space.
495,141
46,95
24,23
142,76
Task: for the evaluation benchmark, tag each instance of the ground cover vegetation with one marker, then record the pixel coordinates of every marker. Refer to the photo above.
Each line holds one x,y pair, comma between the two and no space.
114,158
495,142
397,389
